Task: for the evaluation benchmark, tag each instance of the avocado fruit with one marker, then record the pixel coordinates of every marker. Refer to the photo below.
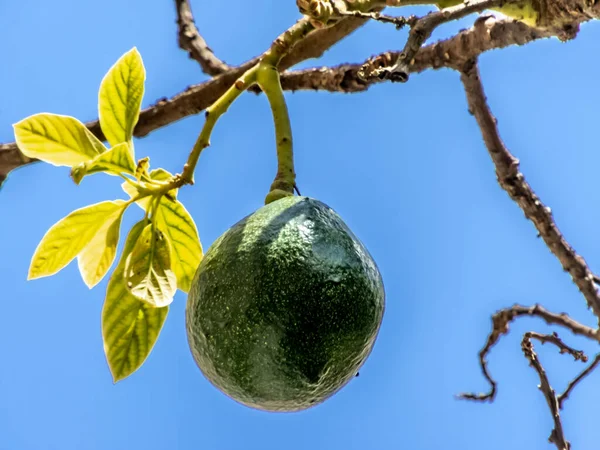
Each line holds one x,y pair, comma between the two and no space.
285,307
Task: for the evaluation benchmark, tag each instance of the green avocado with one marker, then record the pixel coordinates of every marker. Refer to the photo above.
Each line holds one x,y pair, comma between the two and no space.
285,307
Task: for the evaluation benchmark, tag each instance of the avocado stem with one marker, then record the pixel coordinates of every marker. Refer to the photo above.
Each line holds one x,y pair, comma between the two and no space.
270,83
212,114
285,180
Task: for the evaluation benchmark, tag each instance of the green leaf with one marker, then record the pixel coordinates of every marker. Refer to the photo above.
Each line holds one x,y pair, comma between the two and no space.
178,225
70,235
96,258
130,327
132,192
161,174
120,97
55,139
148,271
186,251
118,159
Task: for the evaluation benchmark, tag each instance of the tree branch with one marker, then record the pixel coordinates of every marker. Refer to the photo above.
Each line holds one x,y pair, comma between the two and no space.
484,36
500,326
557,437
513,182
589,369
191,41
420,31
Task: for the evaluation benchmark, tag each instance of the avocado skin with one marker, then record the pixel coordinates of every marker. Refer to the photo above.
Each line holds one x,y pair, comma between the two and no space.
285,307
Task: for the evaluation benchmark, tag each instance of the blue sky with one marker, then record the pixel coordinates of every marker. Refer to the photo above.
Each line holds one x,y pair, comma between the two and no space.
404,165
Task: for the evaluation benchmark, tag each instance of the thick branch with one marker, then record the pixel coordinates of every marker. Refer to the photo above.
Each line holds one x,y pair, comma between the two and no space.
513,182
420,31
485,35
192,41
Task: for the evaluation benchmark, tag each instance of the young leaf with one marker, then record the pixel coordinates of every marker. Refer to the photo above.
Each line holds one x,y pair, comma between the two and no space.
68,237
160,174
164,175
55,139
157,175
130,327
120,97
98,255
141,169
118,159
148,271
178,225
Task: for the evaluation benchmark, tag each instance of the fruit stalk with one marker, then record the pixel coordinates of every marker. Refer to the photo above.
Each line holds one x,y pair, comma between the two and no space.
269,81
285,180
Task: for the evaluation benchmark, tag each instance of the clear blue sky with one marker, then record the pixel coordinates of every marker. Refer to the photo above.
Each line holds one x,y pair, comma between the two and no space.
404,165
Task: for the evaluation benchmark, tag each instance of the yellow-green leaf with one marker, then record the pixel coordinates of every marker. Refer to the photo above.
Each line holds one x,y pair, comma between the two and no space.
55,139
132,192
120,97
119,159
130,327
68,237
148,271
186,251
96,258
178,225
161,174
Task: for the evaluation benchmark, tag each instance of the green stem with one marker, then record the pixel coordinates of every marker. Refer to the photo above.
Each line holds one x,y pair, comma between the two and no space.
269,61
212,114
269,81
285,180
286,41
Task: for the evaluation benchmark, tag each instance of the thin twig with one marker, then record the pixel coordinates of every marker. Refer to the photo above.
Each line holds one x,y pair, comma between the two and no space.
578,355
557,436
513,182
565,395
398,22
192,41
500,326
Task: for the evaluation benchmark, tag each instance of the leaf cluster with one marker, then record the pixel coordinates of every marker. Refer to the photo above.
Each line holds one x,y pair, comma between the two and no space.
162,251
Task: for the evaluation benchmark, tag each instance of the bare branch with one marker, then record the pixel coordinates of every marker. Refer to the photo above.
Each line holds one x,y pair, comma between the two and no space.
589,369
453,52
192,41
398,22
500,326
578,355
420,31
513,182
557,437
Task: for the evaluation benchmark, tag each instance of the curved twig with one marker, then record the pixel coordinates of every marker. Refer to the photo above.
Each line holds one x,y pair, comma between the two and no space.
589,369
500,326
